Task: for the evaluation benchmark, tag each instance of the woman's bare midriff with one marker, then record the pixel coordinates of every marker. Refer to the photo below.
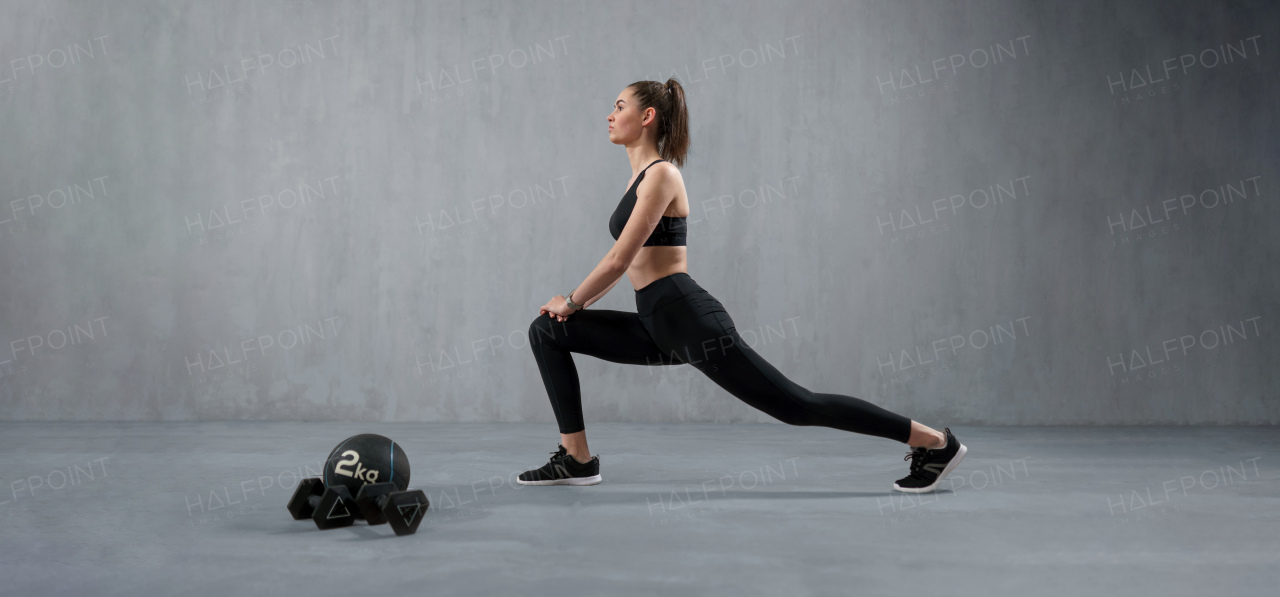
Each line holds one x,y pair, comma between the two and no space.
655,262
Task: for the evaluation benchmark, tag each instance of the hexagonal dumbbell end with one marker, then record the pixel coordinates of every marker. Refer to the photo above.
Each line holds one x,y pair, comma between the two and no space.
305,497
336,509
371,498
404,510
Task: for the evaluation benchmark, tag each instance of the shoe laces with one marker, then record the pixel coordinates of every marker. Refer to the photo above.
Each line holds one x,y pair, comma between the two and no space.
917,457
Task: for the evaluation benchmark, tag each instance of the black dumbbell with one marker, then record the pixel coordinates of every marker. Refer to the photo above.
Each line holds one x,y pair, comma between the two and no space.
403,510
329,507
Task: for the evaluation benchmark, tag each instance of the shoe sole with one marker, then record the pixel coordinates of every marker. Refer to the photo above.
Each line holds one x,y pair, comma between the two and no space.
592,480
945,471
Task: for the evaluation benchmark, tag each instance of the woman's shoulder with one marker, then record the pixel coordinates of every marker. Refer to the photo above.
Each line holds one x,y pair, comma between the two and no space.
666,170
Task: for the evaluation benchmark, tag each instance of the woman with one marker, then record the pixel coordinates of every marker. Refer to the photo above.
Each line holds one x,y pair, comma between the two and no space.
677,321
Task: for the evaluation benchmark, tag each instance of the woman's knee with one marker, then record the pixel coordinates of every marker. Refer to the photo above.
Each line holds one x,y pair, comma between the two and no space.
545,329
793,415
792,411
784,409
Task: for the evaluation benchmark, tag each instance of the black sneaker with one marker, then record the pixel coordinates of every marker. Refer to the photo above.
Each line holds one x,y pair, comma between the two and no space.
930,466
563,469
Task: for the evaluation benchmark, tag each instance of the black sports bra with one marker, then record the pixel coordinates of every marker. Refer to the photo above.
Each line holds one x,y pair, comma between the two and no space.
669,232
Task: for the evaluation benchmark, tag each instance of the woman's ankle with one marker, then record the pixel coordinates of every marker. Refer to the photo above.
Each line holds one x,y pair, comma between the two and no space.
933,442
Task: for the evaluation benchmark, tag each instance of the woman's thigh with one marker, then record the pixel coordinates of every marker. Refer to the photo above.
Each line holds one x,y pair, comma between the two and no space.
614,336
701,332
694,327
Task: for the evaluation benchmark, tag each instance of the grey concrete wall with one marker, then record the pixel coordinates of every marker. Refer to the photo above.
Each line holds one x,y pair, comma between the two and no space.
968,212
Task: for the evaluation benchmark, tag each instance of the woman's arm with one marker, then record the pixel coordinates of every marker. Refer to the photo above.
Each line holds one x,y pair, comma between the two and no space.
653,194
602,293
606,273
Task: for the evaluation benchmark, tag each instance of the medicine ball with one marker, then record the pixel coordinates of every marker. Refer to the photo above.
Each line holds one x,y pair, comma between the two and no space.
366,458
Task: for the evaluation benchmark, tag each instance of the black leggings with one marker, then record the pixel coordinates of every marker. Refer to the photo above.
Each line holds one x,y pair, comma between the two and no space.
677,322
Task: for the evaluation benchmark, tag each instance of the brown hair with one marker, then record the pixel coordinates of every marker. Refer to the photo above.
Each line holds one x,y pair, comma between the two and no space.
667,99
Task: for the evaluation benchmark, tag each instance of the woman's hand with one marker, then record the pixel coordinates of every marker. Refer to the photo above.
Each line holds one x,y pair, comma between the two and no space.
556,307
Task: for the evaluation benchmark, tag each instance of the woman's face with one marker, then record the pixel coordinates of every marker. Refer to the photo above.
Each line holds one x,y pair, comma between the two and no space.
625,119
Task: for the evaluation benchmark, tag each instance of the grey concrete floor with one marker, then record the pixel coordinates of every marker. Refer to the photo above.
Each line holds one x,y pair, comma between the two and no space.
765,509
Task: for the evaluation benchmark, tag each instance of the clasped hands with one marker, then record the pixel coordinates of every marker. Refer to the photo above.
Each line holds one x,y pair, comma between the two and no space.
557,308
